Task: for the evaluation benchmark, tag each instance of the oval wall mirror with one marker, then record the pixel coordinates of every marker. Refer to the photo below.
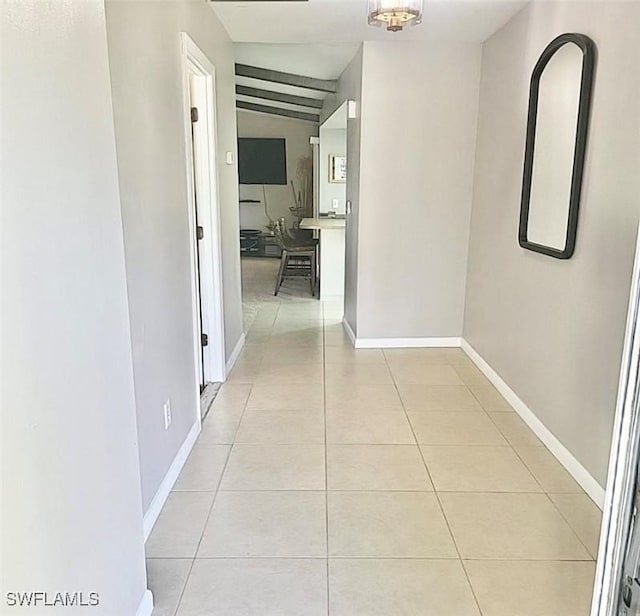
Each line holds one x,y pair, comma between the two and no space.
557,125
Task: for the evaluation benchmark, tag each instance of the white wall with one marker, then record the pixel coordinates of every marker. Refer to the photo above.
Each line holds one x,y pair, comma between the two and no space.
553,329
416,178
333,141
147,94
280,198
71,510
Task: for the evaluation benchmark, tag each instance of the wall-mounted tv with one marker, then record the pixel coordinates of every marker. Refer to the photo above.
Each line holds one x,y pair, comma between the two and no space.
262,161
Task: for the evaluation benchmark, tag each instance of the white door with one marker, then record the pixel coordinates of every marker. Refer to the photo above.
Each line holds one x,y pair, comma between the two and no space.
204,213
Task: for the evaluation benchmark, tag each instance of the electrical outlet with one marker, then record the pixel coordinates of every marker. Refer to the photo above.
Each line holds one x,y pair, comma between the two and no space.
167,414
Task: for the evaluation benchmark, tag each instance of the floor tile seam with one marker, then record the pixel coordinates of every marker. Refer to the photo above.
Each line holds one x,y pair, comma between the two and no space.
452,559
424,558
515,451
569,524
526,560
326,462
204,528
380,490
441,508
469,446
473,559
487,410
408,444
224,468
507,446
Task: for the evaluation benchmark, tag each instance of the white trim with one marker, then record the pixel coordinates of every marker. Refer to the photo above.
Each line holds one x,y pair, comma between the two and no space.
621,477
349,331
405,343
198,75
233,358
151,516
146,604
398,343
564,456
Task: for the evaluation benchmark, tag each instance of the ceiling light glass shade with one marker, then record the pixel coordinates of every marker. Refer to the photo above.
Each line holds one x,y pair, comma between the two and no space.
395,14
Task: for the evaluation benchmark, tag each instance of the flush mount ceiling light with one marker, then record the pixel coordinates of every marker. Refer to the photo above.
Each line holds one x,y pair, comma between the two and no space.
395,14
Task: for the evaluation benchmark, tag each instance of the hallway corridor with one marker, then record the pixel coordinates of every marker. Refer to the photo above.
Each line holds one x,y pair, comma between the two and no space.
359,483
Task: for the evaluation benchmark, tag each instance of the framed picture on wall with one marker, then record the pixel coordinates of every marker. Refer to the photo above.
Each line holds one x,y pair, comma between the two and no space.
337,168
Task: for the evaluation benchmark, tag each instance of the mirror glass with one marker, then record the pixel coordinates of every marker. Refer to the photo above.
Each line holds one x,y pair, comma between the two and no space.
555,142
332,173
557,127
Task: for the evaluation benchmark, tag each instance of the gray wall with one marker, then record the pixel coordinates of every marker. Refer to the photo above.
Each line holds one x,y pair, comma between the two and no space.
553,329
350,88
279,198
71,510
416,178
147,97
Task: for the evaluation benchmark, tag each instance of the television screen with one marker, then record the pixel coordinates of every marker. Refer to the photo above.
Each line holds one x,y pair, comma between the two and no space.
262,161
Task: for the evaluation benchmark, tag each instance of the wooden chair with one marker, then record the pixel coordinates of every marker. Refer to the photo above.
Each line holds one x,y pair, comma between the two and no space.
298,258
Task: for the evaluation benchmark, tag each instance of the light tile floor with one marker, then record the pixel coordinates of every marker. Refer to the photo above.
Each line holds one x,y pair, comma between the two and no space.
378,483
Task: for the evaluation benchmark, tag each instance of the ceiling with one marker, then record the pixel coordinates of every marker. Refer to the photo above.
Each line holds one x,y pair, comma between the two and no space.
345,21
318,38
321,61
313,60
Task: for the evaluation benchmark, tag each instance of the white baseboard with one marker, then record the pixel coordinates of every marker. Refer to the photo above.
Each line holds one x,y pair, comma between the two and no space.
349,331
398,343
233,358
146,605
151,516
405,343
564,456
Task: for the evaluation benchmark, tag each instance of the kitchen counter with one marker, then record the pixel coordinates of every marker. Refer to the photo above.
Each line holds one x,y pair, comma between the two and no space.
323,223
331,233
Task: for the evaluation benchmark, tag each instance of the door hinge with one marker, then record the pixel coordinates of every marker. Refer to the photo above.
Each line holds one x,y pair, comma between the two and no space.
194,114
199,232
204,340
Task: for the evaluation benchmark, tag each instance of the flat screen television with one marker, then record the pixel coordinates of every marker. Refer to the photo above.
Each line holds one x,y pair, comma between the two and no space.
262,161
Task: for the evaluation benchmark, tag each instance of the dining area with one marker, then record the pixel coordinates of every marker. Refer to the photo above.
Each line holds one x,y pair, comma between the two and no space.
317,257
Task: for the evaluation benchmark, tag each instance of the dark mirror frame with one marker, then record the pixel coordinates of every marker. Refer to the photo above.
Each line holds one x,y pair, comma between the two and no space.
584,106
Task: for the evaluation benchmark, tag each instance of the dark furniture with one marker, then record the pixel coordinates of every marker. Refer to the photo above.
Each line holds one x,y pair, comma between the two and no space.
298,258
250,242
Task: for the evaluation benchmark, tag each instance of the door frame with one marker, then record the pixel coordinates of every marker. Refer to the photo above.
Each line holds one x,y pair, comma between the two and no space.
621,477
198,86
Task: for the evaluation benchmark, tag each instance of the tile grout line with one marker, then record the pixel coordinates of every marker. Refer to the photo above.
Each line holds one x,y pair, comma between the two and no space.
215,496
568,523
503,435
421,558
435,491
326,460
523,461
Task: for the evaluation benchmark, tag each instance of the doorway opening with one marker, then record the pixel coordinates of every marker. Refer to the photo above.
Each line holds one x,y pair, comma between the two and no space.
204,218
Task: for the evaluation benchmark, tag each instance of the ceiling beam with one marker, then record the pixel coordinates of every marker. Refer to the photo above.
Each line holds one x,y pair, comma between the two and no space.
289,79
286,113
280,97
